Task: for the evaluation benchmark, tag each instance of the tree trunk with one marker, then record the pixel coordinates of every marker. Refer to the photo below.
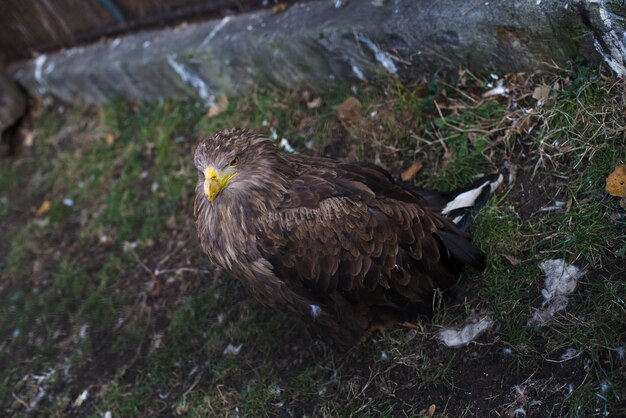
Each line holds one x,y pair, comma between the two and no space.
315,43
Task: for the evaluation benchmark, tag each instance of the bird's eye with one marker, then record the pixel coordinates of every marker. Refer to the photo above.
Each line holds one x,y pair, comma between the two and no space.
234,162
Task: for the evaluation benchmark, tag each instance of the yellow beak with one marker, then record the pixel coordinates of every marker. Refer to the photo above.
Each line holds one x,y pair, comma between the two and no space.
215,182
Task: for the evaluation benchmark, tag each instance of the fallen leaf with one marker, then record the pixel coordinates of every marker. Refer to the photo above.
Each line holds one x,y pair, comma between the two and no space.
622,203
431,411
29,139
154,288
616,182
315,103
305,122
513,260
279,8
411,171
45,207
110,138
516,78
541,92
349,111
524,124
220,106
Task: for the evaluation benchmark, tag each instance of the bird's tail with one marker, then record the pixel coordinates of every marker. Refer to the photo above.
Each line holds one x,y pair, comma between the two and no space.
462,205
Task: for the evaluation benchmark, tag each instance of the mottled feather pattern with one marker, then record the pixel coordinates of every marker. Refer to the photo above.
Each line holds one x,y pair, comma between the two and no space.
344,237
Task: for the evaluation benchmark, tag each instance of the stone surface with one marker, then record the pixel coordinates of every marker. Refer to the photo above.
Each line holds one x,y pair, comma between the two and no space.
12,102
316,43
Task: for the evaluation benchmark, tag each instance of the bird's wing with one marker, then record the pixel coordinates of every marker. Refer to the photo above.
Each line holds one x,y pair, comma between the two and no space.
351,227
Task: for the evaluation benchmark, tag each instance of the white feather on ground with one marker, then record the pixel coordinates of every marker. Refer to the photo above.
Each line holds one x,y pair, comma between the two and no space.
468,199
561,280
460,337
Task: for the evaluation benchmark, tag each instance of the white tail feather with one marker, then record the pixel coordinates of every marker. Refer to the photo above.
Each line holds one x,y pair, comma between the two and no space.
468,199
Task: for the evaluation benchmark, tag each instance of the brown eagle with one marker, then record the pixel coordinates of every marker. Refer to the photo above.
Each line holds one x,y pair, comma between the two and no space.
341,244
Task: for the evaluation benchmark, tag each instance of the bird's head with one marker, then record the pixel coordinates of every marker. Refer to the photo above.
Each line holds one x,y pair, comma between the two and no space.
233,160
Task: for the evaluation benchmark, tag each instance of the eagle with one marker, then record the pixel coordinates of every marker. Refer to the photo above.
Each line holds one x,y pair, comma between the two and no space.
342,245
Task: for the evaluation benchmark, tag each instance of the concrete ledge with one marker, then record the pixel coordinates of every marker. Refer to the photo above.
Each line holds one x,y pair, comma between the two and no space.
315,43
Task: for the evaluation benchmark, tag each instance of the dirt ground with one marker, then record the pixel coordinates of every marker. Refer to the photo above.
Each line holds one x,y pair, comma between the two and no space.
110,309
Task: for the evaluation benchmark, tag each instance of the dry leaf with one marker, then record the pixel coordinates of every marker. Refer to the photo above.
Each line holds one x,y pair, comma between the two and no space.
524,124
622,203
110,138
155,288
315,103
431,411
516,78
616,182
349,111
279,8
45,207
411,171
541,92
513,260
29,139
218,107
305,122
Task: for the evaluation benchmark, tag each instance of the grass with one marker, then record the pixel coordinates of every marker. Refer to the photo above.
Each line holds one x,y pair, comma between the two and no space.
112,294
